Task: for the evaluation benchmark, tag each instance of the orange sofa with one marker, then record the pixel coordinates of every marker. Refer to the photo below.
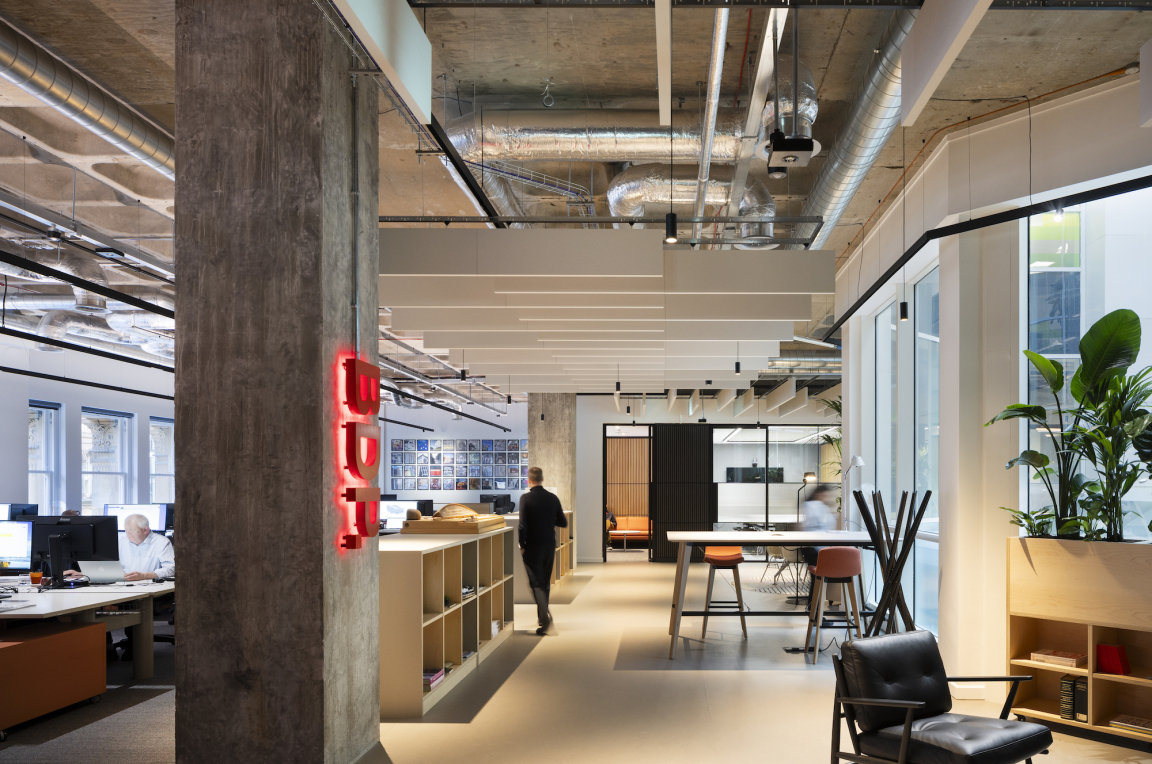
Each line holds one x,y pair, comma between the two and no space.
630,524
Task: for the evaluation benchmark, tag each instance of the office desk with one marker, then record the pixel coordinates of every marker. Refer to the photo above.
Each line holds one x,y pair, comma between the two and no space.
687,539
81,606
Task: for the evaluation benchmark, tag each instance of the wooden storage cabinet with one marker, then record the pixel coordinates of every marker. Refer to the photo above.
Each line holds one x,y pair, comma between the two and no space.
427,623
1072,596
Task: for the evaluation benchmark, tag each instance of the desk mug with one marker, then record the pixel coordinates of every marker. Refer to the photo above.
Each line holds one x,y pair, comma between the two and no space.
35,577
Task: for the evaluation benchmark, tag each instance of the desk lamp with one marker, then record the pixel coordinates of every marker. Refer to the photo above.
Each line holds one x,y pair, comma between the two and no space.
809,477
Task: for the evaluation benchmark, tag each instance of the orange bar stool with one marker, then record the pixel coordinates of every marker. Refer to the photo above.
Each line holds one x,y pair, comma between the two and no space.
834,565
723,558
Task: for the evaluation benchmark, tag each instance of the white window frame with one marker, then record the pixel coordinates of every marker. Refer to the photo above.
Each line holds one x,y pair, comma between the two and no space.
152,474
51,453
126,453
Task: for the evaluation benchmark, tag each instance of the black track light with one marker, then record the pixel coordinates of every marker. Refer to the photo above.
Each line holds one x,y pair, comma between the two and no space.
463,376
541,417
509,400
629,410
737,368
670,228
903,311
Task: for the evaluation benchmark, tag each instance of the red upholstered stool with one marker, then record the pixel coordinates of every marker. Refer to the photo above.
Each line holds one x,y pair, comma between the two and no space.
834,565
723,558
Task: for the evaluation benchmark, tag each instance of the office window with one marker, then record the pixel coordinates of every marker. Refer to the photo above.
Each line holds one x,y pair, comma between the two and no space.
161,460
42,457
926,458
887,399
104,446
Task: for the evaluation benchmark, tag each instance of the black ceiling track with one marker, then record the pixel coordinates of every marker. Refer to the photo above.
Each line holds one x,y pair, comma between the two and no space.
82,349
1062,203
54,378
91,286
406,424
458,162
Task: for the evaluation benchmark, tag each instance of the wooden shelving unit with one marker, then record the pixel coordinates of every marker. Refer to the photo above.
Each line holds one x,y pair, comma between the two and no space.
1072,596
425,621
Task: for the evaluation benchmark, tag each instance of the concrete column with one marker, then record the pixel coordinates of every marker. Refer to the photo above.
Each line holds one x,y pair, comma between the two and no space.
278,624
980,373
552,442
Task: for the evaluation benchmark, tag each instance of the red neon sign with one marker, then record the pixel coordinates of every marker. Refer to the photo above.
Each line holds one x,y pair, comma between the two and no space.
362,447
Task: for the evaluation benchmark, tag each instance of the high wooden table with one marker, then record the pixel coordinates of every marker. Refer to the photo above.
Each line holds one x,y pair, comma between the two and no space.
687,539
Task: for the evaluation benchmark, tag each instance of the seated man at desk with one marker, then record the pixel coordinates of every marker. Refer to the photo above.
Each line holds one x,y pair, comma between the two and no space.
144,555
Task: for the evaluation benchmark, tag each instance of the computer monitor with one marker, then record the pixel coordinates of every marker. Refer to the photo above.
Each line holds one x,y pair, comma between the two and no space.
18,511
15,546
157,514
393,513
499,501
84,537
387,497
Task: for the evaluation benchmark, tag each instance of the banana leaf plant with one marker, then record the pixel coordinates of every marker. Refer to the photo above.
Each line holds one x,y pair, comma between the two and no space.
1107,350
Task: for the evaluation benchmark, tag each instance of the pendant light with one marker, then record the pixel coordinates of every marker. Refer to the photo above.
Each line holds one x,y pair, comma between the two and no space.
737,359
617,379
903,311
670,228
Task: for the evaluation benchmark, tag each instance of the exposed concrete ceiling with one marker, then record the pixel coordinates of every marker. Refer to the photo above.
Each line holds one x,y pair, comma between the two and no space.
596,58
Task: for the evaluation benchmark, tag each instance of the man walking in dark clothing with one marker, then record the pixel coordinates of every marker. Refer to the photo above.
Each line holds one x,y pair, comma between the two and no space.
540,515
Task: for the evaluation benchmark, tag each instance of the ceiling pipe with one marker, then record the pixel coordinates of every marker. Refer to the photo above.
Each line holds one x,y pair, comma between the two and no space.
659,187
711,108
74,265
29,67
871,120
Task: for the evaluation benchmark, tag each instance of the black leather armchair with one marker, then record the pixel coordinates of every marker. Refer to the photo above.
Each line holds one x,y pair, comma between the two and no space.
894,694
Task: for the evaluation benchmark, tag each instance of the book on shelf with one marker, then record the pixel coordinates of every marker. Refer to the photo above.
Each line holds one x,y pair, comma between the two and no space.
433,678
1112,659
1132,724
1067,696
1080,699
1060,658
468,654
495,627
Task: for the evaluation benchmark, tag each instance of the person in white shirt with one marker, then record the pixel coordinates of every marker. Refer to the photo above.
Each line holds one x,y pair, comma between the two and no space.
144,554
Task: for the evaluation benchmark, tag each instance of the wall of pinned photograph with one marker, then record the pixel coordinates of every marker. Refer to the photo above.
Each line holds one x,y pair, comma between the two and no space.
459,455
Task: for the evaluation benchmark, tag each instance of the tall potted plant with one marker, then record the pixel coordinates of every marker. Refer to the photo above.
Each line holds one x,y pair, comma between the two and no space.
1102,426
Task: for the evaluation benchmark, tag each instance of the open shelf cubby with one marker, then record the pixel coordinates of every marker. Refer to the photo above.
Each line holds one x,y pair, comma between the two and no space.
426,624
1063,595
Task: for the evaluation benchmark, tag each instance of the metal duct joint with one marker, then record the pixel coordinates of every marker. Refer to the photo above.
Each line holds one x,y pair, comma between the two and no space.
600,135
30,68
406,402
871,120
58,323
75,265
655,188
808,106
450,403
500,193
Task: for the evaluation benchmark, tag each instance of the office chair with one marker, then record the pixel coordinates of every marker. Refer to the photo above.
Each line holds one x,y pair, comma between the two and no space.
894,694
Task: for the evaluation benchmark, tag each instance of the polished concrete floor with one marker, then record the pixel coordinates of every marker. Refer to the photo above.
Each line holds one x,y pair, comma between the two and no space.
601,690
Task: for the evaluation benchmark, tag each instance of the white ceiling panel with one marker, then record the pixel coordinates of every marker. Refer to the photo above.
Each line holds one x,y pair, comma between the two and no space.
728,330
749,272
533,285
738,307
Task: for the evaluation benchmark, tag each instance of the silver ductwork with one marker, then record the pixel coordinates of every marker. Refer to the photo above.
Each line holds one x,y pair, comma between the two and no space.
404,401
500,193
30,68
873,117
133,320
452,405
72,264
58,323
598,135
808,106
40,302
653,189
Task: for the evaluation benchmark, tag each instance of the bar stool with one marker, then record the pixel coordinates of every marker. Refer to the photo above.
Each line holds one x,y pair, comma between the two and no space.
834,565
723,558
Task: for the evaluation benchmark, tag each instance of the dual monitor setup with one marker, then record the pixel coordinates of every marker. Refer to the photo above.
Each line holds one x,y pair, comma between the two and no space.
29,541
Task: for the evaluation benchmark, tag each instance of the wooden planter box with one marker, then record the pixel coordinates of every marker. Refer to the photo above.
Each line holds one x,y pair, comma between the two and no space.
1071,596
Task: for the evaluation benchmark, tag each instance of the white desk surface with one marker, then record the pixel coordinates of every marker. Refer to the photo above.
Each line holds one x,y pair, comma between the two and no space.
432,542
52,603
771,538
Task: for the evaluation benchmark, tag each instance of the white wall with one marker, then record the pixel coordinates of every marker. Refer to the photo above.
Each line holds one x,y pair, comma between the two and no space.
594,411
17,390
445,427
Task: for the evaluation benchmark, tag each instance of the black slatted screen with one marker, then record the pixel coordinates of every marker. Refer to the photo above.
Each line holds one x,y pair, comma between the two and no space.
683,494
